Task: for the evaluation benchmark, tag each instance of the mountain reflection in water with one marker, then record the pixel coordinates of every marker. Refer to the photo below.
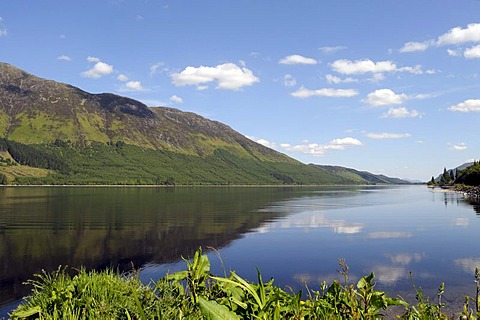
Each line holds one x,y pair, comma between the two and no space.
98,227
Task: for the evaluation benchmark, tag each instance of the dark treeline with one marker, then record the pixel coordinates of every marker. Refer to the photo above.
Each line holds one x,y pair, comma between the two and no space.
34,157
469,176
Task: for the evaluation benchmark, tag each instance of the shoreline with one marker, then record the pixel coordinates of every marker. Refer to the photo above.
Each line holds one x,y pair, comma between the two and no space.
196,185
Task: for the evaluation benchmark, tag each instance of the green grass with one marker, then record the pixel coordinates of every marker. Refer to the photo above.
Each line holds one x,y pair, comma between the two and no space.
197,294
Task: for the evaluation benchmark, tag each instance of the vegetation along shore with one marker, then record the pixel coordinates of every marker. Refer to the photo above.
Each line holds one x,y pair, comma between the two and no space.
195,293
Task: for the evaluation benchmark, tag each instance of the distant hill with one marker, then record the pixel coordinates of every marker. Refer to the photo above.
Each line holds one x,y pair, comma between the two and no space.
360,177
54,133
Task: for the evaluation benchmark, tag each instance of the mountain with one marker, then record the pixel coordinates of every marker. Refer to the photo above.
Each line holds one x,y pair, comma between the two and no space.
360,177
55,133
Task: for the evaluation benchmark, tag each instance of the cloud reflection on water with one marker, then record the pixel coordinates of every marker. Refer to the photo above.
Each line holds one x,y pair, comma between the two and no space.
313,220
468,264
389,274
405,258
389,235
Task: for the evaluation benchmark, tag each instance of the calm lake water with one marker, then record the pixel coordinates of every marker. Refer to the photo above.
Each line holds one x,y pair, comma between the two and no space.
295,235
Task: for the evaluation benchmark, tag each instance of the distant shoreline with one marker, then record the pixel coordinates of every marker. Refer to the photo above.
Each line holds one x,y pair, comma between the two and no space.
197,186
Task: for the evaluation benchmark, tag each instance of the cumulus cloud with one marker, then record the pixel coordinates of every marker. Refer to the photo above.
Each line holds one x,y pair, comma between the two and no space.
98,70
459,147
330,50
228,76
414,46
122,77
348,67
176,99
318,150
472,53
470,105
386,135
263,142
297,59
366,66
64,58
333,79
134,86
289,80
460,35
415,70
325,92
384,97
401,112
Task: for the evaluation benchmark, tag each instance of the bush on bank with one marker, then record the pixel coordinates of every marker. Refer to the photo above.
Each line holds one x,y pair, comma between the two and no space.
197,294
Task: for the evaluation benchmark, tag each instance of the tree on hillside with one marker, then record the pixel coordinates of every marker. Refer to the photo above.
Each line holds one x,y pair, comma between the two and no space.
3,179
446,177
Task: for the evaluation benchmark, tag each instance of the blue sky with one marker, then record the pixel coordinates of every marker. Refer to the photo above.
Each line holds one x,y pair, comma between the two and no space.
390,87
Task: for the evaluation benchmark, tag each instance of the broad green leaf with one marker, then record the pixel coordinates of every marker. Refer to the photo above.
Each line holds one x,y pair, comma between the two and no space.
27,313
214,311
178,276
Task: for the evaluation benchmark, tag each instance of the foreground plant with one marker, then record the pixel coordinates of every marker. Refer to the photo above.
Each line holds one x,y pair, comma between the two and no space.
197,294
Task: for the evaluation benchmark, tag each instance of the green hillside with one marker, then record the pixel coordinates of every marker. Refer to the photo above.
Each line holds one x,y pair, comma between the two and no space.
54,133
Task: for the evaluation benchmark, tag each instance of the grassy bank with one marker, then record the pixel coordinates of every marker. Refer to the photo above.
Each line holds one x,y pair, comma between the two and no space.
197,294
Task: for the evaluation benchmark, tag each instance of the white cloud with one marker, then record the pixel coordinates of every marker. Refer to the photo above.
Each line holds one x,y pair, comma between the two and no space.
318,150
401,112
154,68
122,77
229,76
329,50
64,58
201,88
363,66
459,147
459,35
384,97
176,99
93,59
325,92
297,59
472,53
263,142
385,135
289,80
333,79
470,105
341,143
415,70
134,85
100,69
454,53
414,46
